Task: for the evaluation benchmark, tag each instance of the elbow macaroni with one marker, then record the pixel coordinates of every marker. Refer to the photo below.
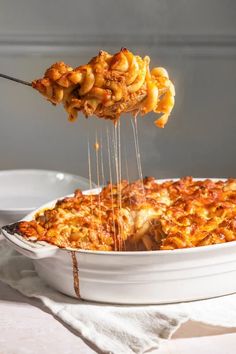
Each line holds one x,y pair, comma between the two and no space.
108,86
170,215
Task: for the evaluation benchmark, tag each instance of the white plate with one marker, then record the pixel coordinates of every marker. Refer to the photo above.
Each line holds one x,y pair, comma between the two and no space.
22,191
149,277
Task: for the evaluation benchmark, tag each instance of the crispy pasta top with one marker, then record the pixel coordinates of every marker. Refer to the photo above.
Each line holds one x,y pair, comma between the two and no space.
143,215
108,86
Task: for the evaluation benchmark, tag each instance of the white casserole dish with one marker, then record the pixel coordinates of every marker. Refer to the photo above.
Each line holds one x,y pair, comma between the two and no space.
148,277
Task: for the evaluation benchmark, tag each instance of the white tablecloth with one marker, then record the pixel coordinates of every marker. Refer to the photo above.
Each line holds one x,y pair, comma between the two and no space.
26,327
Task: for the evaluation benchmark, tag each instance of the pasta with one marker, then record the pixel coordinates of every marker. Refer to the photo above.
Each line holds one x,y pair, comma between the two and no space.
108,86
164,216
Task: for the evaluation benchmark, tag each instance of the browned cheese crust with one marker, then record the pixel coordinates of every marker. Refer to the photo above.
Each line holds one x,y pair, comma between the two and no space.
143,215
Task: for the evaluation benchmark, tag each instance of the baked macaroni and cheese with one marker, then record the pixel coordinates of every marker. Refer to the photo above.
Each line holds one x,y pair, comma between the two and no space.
144,215
108,86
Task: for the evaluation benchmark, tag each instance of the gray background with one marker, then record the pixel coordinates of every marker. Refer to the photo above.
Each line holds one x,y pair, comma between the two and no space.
194,39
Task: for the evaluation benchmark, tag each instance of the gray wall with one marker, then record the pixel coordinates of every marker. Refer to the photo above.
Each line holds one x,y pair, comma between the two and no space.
194,39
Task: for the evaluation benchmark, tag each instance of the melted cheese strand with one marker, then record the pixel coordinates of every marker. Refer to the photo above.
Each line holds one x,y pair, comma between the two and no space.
137,152
98,173
115,147
101,160
111,189
89,168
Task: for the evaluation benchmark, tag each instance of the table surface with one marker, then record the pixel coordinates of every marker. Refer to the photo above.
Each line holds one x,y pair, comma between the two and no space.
27,327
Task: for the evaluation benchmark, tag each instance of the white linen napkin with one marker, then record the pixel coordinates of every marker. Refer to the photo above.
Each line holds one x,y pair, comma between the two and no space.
112,328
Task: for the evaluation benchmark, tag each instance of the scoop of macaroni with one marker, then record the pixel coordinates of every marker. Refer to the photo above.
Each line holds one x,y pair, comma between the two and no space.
108,86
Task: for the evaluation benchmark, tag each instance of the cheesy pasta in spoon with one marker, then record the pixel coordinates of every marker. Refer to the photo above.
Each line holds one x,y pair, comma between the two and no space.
108,86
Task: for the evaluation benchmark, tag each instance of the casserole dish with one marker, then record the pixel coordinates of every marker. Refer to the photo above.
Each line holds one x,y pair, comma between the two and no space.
136,277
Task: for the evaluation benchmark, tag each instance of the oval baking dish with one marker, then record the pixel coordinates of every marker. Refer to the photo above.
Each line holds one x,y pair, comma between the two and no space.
144,277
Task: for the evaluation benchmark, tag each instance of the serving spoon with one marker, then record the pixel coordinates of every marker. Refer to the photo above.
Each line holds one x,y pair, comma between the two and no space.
16,80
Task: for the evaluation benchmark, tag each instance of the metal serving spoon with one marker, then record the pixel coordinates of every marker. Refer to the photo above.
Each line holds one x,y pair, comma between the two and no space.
16,80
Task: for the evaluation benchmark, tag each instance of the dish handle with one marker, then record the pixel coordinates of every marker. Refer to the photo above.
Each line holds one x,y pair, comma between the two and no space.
34,250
